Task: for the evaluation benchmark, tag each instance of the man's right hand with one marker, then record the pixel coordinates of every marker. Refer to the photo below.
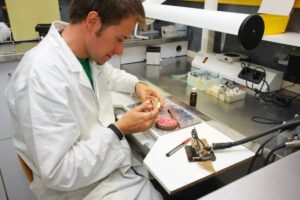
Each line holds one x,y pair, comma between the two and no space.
139,119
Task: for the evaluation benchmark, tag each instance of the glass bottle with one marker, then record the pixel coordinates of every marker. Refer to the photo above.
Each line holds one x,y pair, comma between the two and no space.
193,97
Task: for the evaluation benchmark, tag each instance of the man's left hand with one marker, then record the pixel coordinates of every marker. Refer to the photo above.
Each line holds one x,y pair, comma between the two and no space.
144,92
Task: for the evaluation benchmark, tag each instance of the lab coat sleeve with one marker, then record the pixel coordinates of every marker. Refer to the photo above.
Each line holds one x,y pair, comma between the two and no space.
119,80
64,161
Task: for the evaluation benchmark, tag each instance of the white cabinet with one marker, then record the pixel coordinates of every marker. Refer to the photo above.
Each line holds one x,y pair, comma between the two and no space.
130,55
14,179
3,194
6,69
13,183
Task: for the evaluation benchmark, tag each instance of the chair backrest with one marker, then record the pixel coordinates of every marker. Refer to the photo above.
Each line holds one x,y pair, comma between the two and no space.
26,169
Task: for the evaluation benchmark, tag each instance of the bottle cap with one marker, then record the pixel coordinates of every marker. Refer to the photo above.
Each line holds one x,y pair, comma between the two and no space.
194,89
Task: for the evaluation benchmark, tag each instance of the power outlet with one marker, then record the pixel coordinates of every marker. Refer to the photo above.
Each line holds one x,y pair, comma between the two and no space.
252,75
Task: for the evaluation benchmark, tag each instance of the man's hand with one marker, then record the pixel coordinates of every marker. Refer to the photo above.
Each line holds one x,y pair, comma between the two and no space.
139,119
144,92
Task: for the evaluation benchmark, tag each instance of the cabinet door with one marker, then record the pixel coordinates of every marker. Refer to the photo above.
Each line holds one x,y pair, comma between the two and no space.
3,194
6,69
15,181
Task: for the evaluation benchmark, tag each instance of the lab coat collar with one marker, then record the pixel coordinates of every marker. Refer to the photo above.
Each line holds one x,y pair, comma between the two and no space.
65,52
61,46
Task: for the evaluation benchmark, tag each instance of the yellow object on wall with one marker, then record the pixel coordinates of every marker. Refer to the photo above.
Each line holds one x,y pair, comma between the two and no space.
245,2
274,24
25,14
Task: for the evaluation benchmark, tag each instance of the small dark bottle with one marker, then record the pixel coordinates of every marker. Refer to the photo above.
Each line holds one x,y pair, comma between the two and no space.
193,97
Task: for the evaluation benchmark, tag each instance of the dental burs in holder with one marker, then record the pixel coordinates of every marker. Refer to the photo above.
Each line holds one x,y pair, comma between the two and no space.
199,149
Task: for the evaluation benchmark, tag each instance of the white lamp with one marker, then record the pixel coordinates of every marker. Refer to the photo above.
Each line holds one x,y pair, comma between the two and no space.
248,28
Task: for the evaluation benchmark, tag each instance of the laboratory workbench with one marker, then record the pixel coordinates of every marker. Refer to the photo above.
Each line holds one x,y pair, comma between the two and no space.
234,119
14,52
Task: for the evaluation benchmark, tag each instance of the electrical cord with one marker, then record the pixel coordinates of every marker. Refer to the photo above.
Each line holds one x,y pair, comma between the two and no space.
264,79
294,83
259,151
268,97
277,97
276,148
295,143
226,145
268,86
244,65
264,120
295,97
290,144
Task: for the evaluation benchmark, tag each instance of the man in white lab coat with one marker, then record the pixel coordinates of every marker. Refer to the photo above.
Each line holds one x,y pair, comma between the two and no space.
61,106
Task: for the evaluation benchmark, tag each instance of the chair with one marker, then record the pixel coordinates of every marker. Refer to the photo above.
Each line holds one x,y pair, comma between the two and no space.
26,169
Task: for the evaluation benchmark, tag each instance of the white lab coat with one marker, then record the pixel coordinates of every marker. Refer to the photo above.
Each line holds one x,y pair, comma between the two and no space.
60,126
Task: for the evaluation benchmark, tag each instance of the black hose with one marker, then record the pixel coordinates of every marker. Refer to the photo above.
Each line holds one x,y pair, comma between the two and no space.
225,145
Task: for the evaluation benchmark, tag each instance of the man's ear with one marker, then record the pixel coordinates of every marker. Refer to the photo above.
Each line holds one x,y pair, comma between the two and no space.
93,21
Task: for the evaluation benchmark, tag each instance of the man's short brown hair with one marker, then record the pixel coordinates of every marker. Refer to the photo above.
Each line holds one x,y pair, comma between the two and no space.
110,11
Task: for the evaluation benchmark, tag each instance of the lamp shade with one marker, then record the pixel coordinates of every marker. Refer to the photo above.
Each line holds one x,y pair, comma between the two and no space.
248,28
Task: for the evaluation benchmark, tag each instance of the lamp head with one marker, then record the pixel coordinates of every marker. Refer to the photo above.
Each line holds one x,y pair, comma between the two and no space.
251,32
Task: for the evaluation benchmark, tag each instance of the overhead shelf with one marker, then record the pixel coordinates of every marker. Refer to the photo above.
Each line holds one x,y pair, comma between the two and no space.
288,38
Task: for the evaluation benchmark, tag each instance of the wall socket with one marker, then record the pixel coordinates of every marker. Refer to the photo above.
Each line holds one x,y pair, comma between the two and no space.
252,75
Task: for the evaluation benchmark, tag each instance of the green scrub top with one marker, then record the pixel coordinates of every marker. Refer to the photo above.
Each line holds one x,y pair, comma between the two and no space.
85,63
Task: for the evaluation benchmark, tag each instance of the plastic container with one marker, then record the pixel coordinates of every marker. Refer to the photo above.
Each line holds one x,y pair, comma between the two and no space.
274,24
228,95
203,79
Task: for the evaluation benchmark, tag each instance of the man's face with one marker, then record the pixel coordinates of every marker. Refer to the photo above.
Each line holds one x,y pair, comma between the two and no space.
110,40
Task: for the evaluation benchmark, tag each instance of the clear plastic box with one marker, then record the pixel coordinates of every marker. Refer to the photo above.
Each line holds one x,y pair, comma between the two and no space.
202,79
